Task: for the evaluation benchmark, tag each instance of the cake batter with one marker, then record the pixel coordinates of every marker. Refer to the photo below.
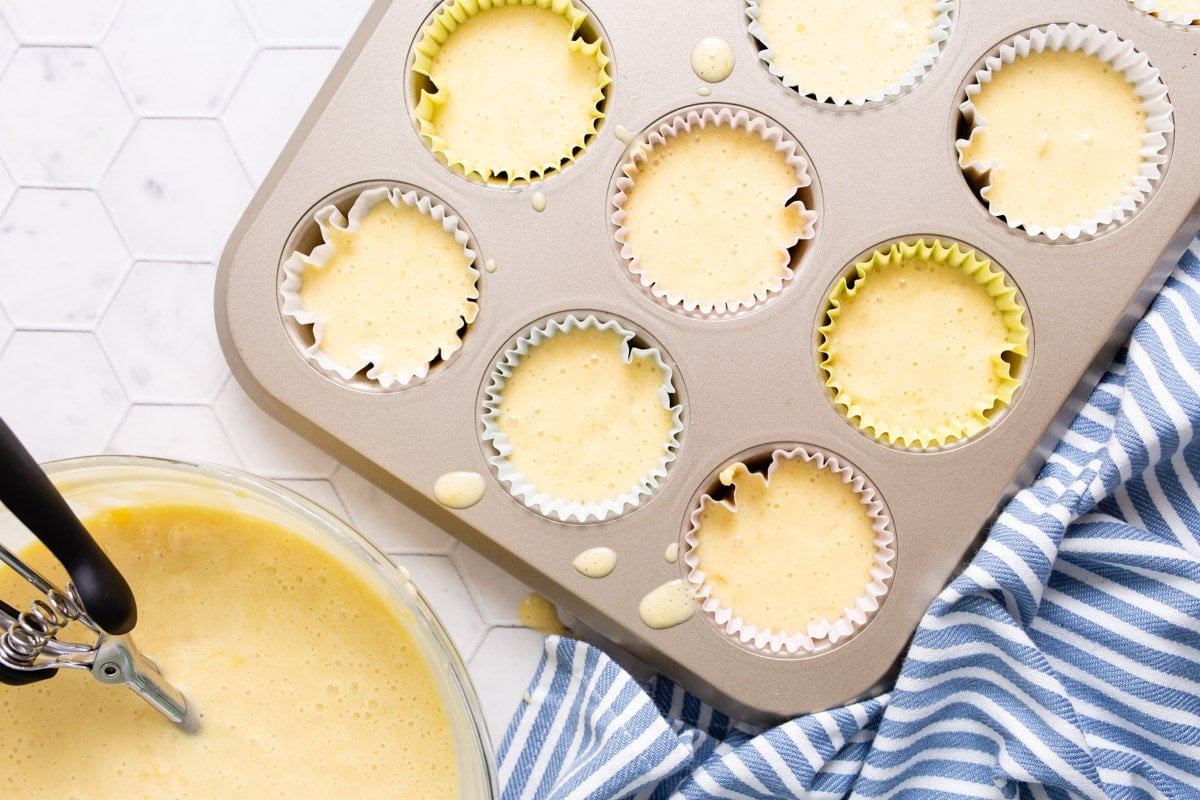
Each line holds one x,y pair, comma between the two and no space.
711,217
792,550
307,682
395,293
587,421
1063,134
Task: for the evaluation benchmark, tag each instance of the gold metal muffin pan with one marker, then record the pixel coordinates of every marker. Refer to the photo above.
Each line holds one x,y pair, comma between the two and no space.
748,382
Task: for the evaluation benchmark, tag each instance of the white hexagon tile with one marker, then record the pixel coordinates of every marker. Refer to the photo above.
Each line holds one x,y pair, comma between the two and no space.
6,329
60,22
7,188
270,100
161,341
132,134
62,116
8,45
61,259
304,22
179,57
175,189
59,393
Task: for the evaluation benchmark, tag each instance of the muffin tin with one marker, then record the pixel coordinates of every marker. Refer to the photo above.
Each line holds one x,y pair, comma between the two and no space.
749,382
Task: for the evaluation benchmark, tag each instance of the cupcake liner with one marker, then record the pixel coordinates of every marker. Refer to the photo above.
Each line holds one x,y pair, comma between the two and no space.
1163,10
444,23
330,218
938,35
1002,294
545,504
1137,70
638,151
824,633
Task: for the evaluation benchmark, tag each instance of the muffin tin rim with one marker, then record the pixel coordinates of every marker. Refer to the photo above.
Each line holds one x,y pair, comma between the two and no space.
261,378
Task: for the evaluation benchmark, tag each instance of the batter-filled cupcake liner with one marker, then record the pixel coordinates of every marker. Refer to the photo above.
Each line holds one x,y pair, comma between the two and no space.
939,33
1141,76
442,26
330,219
1164,10
826,632
660,135
983,410
569,510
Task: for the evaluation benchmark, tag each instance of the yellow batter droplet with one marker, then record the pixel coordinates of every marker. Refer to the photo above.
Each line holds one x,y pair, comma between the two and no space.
712,59
671,604
539,614
459,489
597,562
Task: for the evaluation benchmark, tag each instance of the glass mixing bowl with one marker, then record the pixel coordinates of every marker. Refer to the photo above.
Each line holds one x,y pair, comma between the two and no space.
96,484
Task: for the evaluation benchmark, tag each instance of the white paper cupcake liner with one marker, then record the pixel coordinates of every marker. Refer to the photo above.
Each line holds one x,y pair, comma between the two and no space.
330,218
658,135
822,634
938,35
1137,70
529,494
1163,10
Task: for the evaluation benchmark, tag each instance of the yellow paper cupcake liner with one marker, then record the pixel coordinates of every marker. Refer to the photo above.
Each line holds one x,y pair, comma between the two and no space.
983,409
445,22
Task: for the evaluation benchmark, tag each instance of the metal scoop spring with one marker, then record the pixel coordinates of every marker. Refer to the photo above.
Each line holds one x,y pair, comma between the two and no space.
28,636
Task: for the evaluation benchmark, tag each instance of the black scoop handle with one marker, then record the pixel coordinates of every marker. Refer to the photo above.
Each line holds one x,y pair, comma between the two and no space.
32,498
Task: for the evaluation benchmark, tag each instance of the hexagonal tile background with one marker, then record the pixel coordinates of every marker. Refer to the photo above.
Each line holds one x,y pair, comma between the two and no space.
6,330
62,116
132,134
60,22
7,188
61,260
178,57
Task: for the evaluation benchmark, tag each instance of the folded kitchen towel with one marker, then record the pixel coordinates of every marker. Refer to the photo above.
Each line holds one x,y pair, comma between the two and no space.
1063,662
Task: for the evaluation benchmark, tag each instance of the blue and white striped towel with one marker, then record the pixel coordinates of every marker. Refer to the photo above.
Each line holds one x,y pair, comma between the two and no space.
1063,662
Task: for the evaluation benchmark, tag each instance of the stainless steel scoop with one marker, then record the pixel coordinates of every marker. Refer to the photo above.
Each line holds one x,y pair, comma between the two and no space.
97,596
